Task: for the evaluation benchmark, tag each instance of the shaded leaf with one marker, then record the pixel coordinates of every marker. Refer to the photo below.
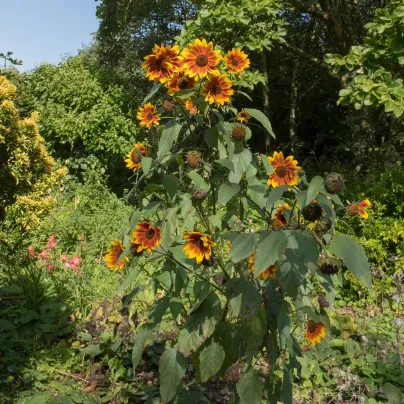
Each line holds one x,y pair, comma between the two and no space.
249,388
211,359
226,192
262,119
242,247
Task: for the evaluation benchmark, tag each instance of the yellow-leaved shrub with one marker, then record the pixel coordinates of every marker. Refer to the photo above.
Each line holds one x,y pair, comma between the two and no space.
28,174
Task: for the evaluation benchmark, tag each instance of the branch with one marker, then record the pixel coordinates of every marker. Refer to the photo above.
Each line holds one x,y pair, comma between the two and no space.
314,10
303,54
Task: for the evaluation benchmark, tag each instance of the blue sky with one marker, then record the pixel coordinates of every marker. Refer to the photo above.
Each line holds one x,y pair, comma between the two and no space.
45,30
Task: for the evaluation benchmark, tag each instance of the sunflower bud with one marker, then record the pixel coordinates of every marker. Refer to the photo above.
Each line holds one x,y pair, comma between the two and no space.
328,265
200,194
323,225
334,183
323,302
238,132
168,106
193,159
312,212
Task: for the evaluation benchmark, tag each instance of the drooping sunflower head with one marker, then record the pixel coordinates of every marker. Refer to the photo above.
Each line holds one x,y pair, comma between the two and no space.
328,265
270,271
148,115
162,62
179,81
285,170
200,59
134,157
146,236
218,89
236,61
112,258
168,106
279,217
312,212
243,116
315,332
359,209
198,246
193,159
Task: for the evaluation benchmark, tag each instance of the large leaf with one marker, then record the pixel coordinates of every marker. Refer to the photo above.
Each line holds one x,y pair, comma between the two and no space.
211,359
140,340
276,194
270,246
226,192
172,368
241,160
354,257
198,181
146,164
314,188
263,119
253,332
170,183
287,386
130,278
244,298
242,247
200,325
249,388
392,394
168,137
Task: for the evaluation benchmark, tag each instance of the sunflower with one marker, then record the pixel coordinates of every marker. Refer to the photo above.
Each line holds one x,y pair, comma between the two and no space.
270,271
236,61
163,62
146,236
359,208
148,115
217,89
198,245
284,170
243,116
199,59
189,105
279,217
179,81
133,158
315,332
113,255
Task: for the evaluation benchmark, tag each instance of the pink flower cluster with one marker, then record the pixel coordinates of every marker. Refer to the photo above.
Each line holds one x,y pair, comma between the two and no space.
48,257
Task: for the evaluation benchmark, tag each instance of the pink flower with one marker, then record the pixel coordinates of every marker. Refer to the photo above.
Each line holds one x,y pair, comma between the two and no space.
43,255
67,264
75,261
63,257
31,251
82,237
50,267
51,242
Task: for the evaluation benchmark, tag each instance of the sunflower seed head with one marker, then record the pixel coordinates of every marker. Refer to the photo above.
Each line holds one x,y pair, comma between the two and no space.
238,132
200,194
328,265
334,183
193,159
312,212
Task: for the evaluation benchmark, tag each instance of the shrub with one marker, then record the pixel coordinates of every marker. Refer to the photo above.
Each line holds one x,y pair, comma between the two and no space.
27,172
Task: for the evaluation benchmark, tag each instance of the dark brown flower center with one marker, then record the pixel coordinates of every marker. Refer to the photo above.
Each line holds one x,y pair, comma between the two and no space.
160,63
202,60
235,62
183,84
149,116
281,171
217,89
311,326
135,156
150,233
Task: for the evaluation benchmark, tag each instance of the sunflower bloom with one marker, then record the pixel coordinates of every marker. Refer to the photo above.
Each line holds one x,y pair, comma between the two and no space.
279,217
359,208
243,116
148,116
114,252
162,62
133,158
198,246
179,81
199,59
285,170
189,105
236,61
270,271
146,236
315,332
218,89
